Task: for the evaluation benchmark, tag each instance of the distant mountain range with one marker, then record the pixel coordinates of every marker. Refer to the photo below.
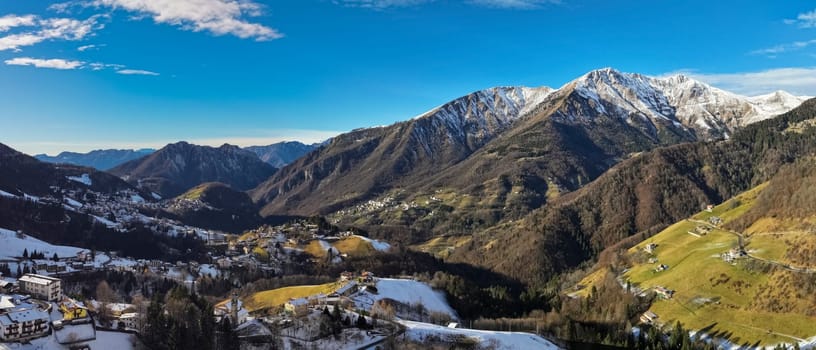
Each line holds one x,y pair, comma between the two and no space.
281,154
278,155
180,166
22,175
102,159
502,152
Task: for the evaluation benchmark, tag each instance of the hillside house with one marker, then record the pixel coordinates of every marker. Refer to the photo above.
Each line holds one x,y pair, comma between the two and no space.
648,317
344,291
47,288
650,248
715,220
232,309
297,307
663,292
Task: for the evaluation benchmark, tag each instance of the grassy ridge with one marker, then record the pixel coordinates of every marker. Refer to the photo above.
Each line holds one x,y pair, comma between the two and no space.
711,294
277,297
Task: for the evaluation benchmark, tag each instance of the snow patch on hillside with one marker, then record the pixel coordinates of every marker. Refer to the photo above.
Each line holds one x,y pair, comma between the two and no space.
500,340
83,179
12,245
407,292
6,194
378,245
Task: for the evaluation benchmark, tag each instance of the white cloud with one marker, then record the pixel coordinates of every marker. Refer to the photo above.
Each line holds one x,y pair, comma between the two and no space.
85,47
59,63
380,4
798,81
514,4
101,66
219,17
136,72
775,50
504,4
11,21
50,29
804,20
54,63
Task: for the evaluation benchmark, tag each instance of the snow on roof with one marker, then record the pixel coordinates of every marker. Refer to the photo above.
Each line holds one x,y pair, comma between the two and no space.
23,316
38,279
5,302
299,301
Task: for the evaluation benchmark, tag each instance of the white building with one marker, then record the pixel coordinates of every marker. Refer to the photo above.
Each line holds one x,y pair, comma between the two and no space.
130,320
48,288
23,324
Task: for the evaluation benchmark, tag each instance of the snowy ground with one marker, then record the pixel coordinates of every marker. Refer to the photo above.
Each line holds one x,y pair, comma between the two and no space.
501,340
350,339
12,246
83,179
408,292
378,245
103,341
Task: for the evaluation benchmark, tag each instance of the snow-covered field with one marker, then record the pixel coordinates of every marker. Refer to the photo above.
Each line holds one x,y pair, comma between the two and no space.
378,245
83,179
501,340
104,340
408,292
12,246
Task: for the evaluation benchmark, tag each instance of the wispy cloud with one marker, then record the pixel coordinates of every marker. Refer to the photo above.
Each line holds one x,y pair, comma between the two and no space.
514,4
65,64
796,80
46,29
86,48
804,20
136,72
502,4
219,17
778,49
380,4
54,63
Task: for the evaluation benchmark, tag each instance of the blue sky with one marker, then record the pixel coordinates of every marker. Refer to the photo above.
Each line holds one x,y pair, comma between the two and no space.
91,74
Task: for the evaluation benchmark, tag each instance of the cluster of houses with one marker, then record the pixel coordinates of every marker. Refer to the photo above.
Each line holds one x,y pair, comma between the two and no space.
733,254
26,315
700,230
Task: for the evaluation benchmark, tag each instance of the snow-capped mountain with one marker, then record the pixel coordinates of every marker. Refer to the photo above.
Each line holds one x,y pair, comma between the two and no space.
529,139
706,111
480,116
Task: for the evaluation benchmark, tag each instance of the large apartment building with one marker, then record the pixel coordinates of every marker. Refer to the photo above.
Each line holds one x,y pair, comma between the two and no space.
44,287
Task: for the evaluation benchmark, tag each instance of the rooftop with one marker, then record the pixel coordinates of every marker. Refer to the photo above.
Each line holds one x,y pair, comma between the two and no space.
38,279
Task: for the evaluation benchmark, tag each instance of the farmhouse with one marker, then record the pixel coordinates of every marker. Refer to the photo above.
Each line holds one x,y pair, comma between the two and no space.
650,248
664,292
297,307
47,288
648,317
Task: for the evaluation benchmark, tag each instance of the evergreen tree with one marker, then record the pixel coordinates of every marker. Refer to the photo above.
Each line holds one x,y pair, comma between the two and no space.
25,253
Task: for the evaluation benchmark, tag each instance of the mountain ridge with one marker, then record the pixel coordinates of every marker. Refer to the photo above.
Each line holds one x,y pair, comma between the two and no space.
180,166
565,139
